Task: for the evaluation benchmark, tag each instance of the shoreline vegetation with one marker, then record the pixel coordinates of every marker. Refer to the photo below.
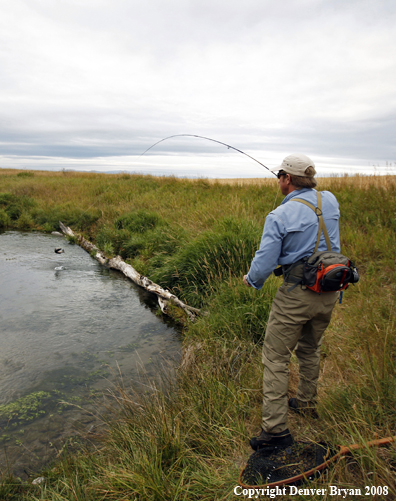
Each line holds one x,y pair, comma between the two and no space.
186,436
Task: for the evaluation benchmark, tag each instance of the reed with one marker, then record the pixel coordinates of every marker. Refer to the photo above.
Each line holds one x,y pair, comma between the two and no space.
185,435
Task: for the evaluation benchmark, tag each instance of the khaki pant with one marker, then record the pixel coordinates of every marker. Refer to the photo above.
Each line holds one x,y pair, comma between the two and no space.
297,322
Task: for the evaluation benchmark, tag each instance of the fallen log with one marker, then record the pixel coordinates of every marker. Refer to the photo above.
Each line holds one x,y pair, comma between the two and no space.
116,263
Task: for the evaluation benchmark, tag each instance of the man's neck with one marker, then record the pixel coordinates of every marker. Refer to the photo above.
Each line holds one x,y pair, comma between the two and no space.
291,188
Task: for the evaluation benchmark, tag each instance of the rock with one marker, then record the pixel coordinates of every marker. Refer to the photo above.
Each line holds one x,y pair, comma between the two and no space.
38,480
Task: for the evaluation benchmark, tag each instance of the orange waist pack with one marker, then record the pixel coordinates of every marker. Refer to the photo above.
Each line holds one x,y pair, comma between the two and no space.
328,271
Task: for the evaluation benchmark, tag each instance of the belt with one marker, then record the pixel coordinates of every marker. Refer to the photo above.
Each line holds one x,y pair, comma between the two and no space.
293,273
294,270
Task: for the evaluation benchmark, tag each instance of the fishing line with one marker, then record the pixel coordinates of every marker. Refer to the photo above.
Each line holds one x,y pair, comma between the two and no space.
276,197
208,139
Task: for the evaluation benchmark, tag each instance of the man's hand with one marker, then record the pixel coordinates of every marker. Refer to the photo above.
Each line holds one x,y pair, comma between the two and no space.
245,281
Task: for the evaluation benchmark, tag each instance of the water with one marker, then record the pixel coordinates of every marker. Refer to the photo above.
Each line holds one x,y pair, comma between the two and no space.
68,327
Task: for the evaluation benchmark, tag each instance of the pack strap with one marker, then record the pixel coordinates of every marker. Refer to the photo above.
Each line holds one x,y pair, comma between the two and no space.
290,277
318,212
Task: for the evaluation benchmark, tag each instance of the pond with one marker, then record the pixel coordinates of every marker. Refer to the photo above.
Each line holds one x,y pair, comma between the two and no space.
70,329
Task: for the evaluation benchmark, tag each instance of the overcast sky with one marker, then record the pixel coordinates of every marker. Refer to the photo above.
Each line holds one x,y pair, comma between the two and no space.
91,84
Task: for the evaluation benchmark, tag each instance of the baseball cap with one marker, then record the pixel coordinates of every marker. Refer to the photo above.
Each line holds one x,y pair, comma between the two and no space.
296,164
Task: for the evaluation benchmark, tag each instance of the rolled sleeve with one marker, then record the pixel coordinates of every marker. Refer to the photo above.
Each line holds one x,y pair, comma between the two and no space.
267,256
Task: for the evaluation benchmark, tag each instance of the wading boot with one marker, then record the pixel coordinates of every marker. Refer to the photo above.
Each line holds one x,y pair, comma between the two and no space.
264,440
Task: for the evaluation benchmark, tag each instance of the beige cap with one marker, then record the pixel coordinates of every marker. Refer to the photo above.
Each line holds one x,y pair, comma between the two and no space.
296,164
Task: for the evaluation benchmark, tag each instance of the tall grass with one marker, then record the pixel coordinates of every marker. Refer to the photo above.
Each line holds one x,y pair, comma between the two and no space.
201,265
185,436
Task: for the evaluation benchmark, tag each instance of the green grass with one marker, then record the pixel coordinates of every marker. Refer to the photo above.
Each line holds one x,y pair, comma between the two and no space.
185,436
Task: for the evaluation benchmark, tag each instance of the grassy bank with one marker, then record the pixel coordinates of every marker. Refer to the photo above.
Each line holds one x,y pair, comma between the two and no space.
189,440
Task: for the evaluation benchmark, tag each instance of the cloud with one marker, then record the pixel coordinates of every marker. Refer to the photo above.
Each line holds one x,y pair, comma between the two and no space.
105,78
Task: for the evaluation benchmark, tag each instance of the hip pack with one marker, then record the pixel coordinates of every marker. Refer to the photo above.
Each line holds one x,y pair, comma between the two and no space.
326,271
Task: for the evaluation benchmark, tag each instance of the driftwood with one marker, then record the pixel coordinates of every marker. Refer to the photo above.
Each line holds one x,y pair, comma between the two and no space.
116,263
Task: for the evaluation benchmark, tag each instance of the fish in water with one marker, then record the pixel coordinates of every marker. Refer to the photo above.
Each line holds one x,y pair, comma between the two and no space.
58,250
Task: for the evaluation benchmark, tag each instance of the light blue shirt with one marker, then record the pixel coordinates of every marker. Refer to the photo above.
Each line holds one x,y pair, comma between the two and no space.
290,233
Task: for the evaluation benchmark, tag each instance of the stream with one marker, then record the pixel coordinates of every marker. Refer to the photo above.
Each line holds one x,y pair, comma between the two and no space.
70,331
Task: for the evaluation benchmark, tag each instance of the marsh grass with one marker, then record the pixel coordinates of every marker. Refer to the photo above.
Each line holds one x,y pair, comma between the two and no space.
201,265
185,436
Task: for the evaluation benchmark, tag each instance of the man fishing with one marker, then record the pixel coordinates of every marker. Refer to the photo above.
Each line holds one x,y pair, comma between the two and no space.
298,316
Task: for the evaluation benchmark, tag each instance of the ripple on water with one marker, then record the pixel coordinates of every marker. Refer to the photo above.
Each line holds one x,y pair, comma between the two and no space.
67,325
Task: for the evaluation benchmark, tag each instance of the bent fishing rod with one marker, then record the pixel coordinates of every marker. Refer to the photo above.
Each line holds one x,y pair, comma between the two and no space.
208,139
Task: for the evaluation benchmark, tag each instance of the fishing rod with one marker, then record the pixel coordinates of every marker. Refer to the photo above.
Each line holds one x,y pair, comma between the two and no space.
208,139
200,137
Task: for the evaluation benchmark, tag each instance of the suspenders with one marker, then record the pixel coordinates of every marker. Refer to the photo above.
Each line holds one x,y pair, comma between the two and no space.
318,212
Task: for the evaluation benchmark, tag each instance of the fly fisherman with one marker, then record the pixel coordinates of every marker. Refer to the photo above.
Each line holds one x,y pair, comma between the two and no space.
298,316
